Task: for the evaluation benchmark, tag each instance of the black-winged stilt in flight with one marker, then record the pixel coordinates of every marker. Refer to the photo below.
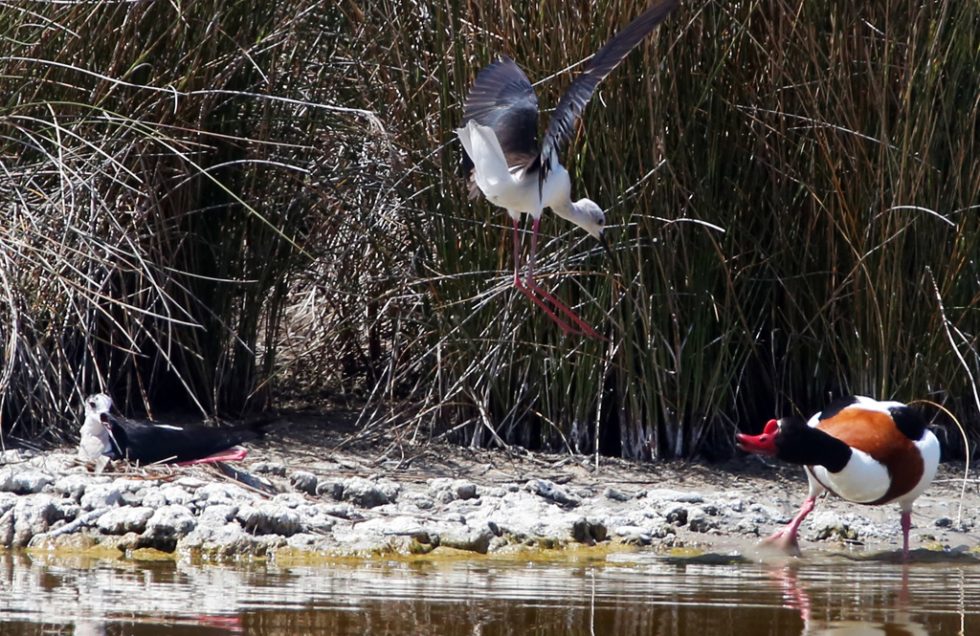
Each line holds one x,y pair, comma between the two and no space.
119,438
504,161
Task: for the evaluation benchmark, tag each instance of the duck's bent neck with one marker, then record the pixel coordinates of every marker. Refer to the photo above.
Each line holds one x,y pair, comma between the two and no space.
813,447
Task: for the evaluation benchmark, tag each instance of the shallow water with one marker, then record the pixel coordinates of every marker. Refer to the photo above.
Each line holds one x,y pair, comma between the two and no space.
622,595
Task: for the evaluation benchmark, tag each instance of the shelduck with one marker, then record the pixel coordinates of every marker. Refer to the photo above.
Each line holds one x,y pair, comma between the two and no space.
120,438
865,451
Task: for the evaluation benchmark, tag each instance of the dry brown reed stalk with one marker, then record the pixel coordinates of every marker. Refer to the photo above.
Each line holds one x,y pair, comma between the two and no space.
781,176
210,206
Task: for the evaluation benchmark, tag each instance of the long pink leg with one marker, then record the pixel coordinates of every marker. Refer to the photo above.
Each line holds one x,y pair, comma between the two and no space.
786,539
234,454
565,327
581,326
906,526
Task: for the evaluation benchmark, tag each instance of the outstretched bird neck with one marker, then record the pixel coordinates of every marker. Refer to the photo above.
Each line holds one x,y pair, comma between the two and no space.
584,213
579,213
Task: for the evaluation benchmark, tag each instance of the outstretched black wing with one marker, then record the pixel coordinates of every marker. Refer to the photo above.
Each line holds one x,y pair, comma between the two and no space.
573,102
503,99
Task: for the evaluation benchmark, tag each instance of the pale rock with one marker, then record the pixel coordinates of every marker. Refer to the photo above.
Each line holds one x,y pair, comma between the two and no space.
747,526
217,514
32,516
676,515
340,511
667,494
698,520
101,496
17,480
614,494
124,520
495,492
228,541
304,481
290,500
74,485
269,468
217,493
366,493
309,542
167,525
445,489
269,518
169,495
632,535
419,500
551,491
464,537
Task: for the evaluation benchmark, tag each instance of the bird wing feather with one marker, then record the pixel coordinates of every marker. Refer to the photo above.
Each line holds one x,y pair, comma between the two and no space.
503,99
148,443
573,102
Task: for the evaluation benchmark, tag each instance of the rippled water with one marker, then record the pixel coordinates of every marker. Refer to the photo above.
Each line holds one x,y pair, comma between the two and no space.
623,595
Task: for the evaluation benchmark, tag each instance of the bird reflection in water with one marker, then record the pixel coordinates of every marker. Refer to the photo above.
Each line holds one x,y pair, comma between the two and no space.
819,620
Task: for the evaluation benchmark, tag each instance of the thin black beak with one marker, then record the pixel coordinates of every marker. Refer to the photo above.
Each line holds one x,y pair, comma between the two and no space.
605,245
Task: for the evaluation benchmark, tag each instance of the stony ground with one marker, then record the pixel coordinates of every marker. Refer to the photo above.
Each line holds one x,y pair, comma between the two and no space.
307,493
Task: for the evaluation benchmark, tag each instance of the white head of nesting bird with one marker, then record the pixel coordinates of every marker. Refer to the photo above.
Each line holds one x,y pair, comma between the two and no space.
95,441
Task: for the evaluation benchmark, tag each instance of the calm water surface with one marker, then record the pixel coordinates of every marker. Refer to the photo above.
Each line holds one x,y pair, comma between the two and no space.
624,595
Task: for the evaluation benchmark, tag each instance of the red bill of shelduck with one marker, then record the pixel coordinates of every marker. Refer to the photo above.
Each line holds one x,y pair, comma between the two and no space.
863,450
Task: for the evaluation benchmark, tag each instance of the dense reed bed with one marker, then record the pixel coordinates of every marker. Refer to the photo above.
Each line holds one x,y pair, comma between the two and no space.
225,205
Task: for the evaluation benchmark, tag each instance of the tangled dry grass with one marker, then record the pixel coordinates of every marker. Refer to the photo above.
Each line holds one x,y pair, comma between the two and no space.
223,205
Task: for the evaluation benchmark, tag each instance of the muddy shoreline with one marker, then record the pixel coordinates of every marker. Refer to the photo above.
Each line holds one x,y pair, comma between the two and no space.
309,495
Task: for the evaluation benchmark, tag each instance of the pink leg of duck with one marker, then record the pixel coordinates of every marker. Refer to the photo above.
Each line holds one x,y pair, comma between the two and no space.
906,527
786,539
